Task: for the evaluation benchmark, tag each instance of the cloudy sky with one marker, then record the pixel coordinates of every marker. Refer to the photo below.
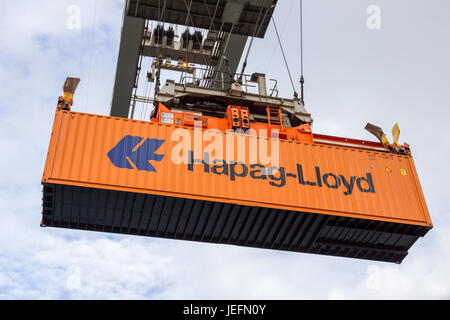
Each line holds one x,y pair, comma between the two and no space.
353,75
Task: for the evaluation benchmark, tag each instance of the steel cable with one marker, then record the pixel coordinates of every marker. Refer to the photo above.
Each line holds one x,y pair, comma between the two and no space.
284,58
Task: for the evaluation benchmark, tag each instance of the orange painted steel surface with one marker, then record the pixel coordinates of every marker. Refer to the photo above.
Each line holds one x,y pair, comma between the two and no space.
302,133
85,150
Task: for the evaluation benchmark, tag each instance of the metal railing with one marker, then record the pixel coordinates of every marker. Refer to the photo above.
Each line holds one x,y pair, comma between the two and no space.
219,79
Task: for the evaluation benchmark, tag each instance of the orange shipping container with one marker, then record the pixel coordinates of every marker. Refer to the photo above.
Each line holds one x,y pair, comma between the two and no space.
120,175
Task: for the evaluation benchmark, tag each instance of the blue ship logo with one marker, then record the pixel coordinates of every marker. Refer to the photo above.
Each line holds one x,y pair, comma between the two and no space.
136,153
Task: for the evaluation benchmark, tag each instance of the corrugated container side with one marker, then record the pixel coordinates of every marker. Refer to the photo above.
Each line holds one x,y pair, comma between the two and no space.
80,144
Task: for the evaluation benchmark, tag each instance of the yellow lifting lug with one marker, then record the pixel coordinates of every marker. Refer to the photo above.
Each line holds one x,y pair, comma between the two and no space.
70,86
391,147
396,133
